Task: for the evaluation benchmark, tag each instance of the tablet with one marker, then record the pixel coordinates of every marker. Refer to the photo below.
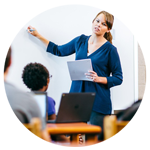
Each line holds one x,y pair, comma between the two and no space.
78,68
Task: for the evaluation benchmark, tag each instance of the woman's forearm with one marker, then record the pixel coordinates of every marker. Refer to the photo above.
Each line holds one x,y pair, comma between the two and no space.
44,40
35,33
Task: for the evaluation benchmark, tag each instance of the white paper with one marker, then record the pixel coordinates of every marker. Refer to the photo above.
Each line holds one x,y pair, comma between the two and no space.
78,68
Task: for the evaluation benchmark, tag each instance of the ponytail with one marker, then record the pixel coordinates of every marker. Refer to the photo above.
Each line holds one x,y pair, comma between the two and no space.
108,37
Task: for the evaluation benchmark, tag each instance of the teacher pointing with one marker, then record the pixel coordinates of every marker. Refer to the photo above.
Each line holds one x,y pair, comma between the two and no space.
105,61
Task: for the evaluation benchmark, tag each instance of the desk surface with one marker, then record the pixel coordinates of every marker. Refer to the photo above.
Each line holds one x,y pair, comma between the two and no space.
72,128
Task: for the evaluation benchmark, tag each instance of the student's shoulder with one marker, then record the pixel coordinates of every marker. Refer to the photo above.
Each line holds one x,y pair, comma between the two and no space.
12,91
19,99
9,86
16,94
50,99
29,103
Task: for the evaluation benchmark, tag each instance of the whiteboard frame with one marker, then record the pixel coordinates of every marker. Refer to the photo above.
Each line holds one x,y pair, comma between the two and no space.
135,69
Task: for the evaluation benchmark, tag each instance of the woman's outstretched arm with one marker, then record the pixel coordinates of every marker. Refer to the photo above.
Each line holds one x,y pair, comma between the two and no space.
35,33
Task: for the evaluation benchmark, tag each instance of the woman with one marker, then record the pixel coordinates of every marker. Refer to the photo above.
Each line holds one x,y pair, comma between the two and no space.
105,61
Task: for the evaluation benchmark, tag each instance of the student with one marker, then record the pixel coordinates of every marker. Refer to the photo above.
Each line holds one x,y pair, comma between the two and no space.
105,61
23,104
36,77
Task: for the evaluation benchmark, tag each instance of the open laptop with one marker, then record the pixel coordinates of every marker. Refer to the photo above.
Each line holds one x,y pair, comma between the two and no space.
41,99
74,107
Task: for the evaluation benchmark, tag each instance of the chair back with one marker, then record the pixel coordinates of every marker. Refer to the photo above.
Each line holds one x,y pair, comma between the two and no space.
29,132
122,130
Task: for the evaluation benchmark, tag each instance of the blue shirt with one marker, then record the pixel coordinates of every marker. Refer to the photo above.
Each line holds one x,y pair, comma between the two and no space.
51,106
105,61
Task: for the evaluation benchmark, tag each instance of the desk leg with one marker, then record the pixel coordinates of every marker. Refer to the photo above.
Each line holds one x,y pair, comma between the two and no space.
75,138
91,138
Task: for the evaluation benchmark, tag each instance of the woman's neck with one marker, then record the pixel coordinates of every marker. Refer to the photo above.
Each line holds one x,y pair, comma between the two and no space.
94,39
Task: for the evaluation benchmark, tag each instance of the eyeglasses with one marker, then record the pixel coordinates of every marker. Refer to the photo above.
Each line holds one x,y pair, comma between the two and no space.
50,76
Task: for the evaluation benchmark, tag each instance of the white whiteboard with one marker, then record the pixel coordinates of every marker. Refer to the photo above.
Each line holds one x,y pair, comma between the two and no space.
60,25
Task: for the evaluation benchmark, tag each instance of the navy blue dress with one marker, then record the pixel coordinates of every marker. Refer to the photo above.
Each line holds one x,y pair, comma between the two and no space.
105,61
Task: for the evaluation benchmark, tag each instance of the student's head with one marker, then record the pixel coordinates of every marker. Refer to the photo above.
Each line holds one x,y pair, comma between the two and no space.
36,77
105,21
7,62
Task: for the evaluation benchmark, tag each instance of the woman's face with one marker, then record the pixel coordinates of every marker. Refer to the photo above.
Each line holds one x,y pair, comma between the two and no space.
99,26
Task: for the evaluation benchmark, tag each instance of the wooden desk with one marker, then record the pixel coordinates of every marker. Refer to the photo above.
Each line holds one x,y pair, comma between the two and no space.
74,129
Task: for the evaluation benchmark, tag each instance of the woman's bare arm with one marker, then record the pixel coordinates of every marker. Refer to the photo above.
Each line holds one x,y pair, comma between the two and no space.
35,33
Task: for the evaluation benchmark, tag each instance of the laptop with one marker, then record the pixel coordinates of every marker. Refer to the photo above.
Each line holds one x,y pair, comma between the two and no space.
41,99
74,107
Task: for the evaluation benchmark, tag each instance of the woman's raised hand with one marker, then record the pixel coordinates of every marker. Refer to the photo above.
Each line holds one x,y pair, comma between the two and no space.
33,31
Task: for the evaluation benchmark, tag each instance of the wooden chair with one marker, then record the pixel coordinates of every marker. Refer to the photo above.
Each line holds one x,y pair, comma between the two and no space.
122,130
29,132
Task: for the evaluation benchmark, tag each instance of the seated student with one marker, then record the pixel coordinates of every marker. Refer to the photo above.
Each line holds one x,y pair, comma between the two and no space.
133,113
23,104
36,77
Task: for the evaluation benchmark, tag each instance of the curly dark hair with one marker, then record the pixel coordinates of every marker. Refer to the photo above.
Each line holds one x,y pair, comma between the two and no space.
35,76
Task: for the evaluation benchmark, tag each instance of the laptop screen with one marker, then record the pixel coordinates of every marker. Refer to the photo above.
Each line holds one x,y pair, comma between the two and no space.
41,99
75,107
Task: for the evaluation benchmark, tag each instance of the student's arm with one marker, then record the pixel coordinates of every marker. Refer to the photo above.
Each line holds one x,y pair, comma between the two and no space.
45,136
52,117
61,138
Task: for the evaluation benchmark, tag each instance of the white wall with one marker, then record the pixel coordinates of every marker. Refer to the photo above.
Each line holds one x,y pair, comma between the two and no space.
123,95
60,25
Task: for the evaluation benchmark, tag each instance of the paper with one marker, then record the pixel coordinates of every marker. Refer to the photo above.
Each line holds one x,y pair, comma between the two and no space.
78,68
